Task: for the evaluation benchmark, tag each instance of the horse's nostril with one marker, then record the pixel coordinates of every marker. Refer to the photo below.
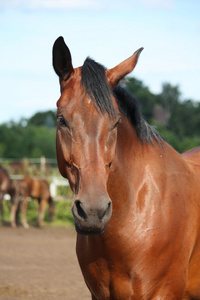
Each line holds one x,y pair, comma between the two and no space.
103,212
109,208
80,210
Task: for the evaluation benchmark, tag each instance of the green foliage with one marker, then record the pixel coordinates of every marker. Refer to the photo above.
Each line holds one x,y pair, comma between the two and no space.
181,145
18,141
62,214
47,119
146,99
64,190
31,212
177,120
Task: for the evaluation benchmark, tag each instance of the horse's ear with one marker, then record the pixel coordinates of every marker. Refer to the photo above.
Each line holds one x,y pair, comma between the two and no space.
62,61
115,74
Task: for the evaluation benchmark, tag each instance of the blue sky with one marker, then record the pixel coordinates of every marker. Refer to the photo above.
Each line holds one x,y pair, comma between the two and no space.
108,31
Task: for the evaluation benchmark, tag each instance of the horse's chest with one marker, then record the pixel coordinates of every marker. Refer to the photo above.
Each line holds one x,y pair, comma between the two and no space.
106,279
108,284
107,272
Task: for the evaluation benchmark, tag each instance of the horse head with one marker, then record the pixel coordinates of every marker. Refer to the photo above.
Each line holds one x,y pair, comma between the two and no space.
87,121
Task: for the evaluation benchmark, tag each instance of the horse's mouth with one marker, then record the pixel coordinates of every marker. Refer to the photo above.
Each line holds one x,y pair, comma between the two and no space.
89,231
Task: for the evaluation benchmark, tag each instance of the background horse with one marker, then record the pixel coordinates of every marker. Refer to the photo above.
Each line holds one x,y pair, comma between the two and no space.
36,189
5,186
136,201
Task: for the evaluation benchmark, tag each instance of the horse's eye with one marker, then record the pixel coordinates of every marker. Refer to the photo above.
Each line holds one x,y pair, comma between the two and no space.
62,122
115,126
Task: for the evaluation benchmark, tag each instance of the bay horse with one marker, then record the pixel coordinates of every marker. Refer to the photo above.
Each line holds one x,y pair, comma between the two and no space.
36,189
136,203
5,186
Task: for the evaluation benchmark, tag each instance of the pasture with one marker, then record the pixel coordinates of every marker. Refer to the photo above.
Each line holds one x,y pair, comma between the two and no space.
62,214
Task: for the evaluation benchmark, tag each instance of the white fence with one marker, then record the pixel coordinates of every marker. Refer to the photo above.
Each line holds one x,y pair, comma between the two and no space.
55,182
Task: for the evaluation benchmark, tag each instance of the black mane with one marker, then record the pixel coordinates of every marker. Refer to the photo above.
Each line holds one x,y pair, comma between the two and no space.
98,89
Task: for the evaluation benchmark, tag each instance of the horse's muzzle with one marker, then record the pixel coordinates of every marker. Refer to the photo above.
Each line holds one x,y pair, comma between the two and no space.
91,219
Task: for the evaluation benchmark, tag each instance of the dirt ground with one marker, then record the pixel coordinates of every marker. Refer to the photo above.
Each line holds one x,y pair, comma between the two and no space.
40,264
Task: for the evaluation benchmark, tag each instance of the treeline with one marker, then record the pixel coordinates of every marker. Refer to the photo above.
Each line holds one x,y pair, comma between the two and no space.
32,138
176,119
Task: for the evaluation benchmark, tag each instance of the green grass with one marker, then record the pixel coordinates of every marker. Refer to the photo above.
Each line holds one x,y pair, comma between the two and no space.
62,214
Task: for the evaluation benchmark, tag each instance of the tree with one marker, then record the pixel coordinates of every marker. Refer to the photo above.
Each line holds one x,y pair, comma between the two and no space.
178,120
47,119
169,97
18,141
145,98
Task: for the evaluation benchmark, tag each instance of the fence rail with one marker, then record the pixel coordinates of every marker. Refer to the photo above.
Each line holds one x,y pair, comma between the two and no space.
55,183
32,160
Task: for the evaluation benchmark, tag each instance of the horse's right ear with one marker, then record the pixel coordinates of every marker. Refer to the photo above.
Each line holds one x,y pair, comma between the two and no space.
115,74
62,61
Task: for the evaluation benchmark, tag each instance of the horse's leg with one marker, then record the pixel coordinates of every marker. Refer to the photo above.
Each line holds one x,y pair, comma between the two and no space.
13,214
23,208
41,211
17,213
51,209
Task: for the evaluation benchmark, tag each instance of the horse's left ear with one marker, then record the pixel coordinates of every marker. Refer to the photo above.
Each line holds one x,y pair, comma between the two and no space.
115,74
62,61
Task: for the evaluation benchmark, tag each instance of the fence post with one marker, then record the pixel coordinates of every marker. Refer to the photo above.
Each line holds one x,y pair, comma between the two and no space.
42,164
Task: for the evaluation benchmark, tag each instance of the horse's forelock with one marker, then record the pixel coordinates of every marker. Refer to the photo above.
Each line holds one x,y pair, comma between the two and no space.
94,81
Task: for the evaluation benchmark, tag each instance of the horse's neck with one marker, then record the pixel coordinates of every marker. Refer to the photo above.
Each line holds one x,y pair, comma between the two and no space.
138,167
131,153
138,161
